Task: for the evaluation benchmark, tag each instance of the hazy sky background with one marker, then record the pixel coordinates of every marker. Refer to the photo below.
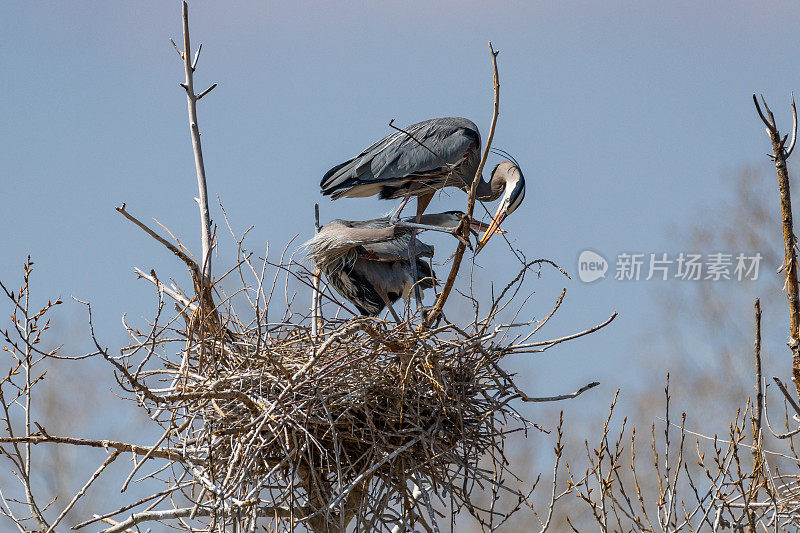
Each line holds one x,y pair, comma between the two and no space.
625,116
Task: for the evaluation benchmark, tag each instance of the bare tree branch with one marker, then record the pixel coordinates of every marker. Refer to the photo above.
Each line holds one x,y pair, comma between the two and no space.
780,154
459,254
162,453
194,130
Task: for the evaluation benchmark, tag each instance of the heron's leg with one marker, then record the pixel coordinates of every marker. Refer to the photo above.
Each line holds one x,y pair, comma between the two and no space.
422,204
412,260
385,298
411,188
395,218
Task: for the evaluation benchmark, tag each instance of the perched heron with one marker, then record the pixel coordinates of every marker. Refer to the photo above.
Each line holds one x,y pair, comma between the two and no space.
367,262
419,160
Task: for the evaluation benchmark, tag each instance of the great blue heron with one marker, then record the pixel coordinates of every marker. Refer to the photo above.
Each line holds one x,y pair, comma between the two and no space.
419,160
367,262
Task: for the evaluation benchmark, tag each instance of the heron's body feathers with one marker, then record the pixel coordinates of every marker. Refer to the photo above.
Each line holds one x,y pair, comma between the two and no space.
360,258
449,157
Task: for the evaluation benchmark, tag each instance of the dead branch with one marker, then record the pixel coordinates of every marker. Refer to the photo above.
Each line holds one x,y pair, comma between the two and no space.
759,405
459,253
193,267
316,317
526,398
779,156
786,395
161,453
541,346
194,131
110,459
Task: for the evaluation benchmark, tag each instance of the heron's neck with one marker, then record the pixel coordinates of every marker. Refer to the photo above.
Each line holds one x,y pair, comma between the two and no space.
489,191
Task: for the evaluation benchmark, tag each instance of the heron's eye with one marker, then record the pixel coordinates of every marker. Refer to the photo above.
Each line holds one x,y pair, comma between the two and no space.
515,198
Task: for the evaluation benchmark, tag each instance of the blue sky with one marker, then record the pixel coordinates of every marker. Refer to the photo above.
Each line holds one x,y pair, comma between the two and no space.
623,115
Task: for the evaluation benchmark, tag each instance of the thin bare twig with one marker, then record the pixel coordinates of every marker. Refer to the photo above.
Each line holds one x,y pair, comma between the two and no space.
162,453
526,398
110,459
316,308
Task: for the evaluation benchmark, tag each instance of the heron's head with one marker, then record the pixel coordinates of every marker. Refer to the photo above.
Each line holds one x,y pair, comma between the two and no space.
509,176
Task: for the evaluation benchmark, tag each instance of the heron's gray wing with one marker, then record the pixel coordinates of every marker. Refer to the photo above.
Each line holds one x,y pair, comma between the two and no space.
399,155
394,250
338,237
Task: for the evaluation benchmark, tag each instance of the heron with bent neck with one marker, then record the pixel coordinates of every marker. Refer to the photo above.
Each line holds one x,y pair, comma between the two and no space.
421,159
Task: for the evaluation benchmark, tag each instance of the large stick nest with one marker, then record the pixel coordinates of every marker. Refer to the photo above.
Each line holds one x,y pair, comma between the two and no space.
371,399
343,420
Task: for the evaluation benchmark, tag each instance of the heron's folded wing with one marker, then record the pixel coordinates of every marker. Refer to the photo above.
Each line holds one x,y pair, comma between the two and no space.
446,141
395,250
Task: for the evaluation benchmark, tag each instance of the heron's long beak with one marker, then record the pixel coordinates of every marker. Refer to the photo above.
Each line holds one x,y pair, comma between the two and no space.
477,225
494,227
